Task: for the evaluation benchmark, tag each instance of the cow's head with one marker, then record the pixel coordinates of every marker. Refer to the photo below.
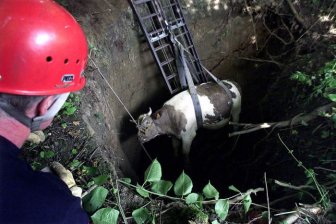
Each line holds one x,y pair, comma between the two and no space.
147,129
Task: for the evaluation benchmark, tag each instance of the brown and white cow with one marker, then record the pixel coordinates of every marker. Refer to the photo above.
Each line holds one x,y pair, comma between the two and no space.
177,116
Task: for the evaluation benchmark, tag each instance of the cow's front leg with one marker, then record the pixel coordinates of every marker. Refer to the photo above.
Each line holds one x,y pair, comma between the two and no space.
176,146
235,115
186,145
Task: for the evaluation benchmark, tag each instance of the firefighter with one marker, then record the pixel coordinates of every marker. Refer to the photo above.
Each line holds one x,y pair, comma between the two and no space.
43,53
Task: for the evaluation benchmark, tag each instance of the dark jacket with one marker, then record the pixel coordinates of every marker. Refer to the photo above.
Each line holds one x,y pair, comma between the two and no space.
27,196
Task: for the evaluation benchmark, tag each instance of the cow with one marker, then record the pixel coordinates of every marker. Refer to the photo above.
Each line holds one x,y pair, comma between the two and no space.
177,116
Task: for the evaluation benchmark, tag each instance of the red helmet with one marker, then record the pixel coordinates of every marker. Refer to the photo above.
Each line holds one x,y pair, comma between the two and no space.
43,50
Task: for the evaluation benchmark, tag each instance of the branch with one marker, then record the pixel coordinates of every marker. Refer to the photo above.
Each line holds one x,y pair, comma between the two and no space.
297,120
296,14
301,212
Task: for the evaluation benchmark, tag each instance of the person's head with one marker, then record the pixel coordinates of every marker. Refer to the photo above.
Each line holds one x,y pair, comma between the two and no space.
43,53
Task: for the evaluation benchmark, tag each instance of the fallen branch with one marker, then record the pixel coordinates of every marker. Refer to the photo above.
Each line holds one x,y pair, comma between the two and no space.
301,212
297,120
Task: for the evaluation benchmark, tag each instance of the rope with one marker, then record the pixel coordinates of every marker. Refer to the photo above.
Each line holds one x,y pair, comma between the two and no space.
121,102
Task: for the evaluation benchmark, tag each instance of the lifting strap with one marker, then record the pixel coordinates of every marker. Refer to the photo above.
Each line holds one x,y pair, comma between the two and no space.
185,77
218,81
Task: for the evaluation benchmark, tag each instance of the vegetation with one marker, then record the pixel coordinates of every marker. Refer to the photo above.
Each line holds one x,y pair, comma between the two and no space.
199,205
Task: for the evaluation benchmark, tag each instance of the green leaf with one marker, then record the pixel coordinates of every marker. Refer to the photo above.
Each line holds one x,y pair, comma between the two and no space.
89,170
95,199
100,180
49,154
126,180
105,216
222,208
233,188
215,222
332,97
210,191
142,191
75,164
141,215
161,187
183,185
153,172
247,201
192,198
90,184
74,151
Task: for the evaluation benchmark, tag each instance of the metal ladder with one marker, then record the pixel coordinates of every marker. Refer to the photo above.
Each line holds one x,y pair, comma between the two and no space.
161,20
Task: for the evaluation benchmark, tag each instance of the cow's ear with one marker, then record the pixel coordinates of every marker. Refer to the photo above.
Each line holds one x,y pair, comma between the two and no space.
157,115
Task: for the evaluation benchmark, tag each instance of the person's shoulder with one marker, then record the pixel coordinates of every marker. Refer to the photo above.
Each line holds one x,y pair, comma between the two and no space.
39,200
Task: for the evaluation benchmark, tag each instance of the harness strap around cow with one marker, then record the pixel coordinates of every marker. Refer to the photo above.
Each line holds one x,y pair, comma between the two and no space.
218,81
184,74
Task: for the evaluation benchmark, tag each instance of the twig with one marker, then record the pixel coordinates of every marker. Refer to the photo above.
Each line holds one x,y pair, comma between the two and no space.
232,200
301,187
268,205
306,211
119,204
253,24
326,169
236,198
295,13
297,120
93,152
262,60
255,219
89,190
311,174
272,33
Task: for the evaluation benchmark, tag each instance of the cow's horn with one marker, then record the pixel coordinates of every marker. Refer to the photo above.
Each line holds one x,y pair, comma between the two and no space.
150,112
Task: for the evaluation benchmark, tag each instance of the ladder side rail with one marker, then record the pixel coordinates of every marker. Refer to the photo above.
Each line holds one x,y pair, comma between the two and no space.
151,46
192,62
172,76
195,53
176,26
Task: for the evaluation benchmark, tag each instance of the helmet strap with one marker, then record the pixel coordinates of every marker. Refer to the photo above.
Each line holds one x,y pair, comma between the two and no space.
52,111
34,123
15,113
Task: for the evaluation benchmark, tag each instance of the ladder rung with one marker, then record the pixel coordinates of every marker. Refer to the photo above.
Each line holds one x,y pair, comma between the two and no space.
140,1
178,24
150,16
189,47
175,91
158,37
168,6
155,32
181,34
162,46
167,61
169,77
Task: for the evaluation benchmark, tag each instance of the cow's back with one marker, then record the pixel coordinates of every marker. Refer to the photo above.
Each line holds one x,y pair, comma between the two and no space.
214,105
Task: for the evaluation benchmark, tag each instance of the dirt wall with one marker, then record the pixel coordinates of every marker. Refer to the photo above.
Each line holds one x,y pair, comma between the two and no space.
223,33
